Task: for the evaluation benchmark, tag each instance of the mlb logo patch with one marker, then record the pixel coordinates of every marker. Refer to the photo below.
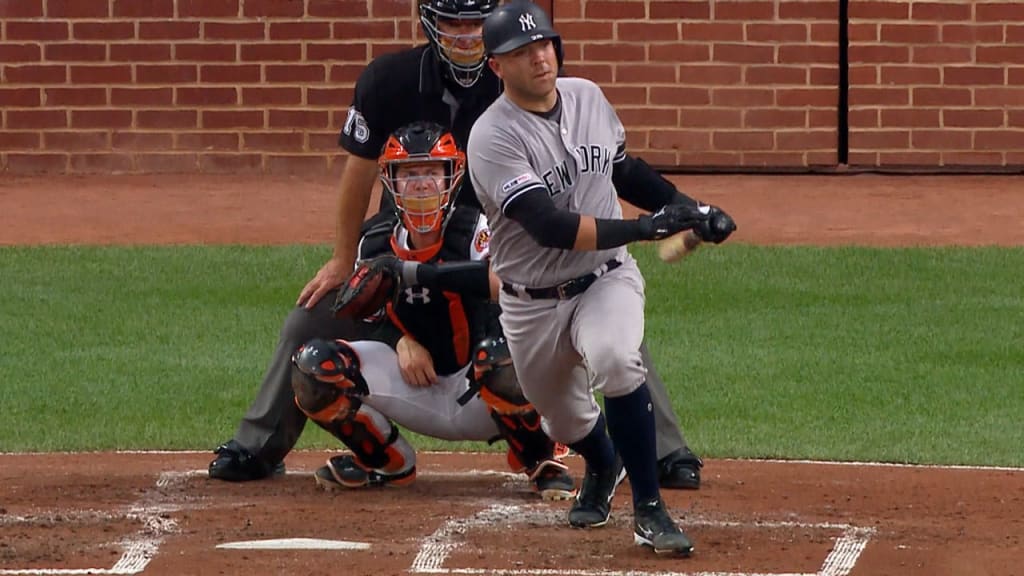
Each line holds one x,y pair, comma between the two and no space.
515,182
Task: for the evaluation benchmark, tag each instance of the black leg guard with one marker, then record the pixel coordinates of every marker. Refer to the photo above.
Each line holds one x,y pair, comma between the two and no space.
375,442
528,445
530,450
329,388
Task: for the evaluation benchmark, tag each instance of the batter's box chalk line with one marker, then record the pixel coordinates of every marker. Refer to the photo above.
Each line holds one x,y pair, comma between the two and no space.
436,548
139,548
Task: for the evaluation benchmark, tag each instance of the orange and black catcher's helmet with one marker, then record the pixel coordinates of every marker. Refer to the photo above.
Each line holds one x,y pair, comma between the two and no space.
421,167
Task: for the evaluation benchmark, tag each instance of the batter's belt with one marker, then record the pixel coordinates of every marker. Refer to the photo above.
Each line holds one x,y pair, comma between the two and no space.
565,290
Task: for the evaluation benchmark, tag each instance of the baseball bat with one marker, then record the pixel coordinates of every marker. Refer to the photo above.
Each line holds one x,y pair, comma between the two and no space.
677,247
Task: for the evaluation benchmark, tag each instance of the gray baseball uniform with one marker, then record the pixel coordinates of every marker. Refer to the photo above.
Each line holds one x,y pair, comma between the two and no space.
561,347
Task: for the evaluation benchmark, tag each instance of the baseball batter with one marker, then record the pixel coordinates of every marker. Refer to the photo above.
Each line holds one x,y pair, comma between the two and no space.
548,163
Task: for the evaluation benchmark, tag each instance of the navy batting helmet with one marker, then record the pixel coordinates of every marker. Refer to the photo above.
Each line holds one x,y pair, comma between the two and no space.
463,54
517,24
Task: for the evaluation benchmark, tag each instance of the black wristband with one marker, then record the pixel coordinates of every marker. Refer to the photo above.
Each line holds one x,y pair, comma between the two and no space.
615,233
466,278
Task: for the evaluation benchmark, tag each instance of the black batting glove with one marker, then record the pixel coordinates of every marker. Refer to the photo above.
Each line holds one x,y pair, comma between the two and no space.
717,227
671,220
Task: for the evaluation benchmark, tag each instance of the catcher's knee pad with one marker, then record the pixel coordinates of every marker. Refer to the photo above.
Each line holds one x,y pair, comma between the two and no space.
375,442
325,379
528,445
493,371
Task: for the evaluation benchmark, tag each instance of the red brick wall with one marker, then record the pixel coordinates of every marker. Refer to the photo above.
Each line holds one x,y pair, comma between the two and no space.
936,83
755,83
185,85
262,85
751,83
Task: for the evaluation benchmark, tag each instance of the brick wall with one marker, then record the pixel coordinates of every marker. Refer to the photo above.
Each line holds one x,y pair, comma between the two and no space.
185,85
756,83
936,83
714,83
262,85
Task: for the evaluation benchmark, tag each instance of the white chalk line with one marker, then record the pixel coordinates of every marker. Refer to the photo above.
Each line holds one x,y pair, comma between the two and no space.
437,547
144,545
573,572
980,468
139,548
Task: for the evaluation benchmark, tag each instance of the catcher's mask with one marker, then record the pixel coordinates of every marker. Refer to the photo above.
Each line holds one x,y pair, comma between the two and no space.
422,168
454,29
332,362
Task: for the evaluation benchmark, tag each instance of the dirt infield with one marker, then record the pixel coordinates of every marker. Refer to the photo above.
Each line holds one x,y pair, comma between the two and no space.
160,514
855,209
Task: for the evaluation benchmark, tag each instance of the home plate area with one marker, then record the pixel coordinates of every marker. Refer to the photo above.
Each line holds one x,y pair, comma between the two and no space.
154,513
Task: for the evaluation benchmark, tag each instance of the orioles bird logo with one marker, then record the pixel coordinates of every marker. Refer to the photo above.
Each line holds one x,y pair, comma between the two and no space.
482,240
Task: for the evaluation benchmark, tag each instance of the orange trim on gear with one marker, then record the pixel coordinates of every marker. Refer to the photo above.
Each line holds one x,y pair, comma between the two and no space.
367,423
393,316
416,254
460,328
501,406
332,410
395,460
397,464
513,462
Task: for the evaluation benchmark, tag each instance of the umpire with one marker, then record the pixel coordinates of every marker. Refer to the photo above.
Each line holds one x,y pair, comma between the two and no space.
444,81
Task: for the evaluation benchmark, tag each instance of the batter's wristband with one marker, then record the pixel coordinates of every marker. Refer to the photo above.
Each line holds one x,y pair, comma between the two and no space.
614,233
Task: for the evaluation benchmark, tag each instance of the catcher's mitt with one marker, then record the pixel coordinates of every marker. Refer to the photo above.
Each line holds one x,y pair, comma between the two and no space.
368,289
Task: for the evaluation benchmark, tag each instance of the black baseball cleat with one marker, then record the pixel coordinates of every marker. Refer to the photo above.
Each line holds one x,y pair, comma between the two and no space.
680,470
552,481
652,526
344,472
236,464
593,502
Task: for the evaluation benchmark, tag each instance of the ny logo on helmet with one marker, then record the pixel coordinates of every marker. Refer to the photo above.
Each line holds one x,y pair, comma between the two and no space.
526,21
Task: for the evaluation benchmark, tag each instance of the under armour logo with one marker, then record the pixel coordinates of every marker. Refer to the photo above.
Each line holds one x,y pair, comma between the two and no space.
526,21
417,293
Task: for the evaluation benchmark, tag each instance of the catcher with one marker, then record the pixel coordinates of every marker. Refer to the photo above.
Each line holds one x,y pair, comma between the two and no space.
425,288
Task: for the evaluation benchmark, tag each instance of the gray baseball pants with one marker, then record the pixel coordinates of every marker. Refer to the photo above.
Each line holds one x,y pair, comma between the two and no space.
273,423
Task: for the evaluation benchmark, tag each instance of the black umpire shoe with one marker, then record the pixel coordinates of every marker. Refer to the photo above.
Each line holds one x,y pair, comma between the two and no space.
236,464
680,470
652,526
593,502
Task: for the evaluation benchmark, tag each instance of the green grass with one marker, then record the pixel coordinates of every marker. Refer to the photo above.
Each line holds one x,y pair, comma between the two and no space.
907,355
910,355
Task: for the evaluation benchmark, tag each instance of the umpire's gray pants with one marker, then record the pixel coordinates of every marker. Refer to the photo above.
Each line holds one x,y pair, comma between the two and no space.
273,423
